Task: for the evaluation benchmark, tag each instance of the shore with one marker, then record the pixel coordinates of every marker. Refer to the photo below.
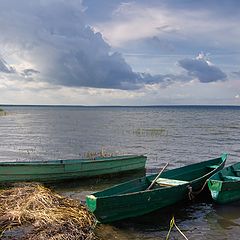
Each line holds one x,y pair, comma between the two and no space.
32,211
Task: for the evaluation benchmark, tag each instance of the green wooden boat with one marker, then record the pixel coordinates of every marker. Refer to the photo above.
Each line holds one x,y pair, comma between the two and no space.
131,199
60,170
225,184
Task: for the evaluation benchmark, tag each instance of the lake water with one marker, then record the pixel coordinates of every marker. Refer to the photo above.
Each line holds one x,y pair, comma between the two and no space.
178,135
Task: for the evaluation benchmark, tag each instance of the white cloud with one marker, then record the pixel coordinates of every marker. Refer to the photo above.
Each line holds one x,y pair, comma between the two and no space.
134,21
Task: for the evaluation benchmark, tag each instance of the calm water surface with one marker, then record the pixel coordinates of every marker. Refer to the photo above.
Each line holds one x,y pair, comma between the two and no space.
178,135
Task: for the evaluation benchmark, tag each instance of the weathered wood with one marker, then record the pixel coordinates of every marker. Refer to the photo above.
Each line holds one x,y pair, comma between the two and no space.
153,182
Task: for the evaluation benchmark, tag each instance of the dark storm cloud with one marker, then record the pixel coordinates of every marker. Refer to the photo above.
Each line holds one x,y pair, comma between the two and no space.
202,70
54,38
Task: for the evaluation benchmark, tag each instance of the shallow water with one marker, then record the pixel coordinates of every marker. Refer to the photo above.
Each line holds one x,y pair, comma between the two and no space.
178,135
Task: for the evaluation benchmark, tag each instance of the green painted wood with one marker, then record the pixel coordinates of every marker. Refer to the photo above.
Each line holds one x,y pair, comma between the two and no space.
59,170
225,184
131,199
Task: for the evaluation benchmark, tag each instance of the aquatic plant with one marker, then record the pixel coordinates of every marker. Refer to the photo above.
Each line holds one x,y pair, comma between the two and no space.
153,132
2,112
93,155
43,214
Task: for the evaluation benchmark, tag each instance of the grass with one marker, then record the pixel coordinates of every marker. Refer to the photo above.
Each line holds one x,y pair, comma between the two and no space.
43,214
2,112
154,132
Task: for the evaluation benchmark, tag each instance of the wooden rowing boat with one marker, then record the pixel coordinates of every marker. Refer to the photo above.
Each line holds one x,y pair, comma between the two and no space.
225,184
132,198
59,170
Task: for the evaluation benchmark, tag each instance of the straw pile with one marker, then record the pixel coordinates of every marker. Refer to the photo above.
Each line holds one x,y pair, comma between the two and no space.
43,214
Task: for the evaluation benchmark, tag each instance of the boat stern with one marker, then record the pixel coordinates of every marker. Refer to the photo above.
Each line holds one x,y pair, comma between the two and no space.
215,187
91,202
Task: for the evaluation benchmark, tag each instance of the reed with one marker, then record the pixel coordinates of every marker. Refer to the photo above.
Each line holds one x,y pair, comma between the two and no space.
102,153
2,112
44,213
153,132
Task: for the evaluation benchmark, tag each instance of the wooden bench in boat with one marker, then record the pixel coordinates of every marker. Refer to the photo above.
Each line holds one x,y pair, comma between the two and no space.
170,182
231,178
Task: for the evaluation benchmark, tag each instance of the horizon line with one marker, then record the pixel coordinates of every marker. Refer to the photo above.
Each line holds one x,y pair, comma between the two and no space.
152,105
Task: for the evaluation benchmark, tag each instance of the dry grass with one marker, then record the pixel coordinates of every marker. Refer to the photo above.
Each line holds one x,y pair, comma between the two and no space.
45,214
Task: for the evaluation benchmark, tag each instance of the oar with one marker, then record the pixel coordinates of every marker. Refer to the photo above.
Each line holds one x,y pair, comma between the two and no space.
157,177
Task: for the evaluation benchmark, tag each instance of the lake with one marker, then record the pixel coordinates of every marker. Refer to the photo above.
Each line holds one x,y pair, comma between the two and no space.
179,135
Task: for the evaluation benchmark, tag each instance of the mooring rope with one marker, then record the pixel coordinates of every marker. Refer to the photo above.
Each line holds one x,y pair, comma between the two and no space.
172,224
192,194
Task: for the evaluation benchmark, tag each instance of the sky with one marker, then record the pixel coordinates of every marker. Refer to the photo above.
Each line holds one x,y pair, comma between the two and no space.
113,52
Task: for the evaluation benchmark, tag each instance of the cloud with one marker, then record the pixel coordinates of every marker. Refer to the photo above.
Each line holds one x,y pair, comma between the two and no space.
50,41
29,72
5,68
237,73
183,23
202,69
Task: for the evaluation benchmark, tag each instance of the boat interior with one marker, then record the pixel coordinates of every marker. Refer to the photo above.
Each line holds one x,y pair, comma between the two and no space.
230,173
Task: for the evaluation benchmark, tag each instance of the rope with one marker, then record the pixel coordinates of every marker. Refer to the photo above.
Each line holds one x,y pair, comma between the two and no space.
192,194
172,224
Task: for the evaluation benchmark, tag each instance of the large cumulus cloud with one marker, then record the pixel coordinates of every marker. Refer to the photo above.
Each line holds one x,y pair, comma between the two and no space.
49,41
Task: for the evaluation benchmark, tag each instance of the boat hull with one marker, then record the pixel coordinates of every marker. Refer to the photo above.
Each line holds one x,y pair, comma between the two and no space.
225,185
60,170
131,199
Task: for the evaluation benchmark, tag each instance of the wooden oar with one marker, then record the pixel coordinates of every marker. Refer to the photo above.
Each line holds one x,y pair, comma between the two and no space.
153,182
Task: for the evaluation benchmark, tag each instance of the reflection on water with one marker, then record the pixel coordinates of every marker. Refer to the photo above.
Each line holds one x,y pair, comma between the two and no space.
178,135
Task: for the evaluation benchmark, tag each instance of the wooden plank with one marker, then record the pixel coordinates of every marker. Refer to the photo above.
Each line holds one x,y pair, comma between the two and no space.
170,182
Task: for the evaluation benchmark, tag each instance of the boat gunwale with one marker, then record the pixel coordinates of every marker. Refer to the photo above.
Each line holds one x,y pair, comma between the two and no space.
212,180
72,161
222,160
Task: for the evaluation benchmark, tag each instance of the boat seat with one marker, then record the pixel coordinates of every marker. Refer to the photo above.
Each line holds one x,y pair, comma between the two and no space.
170,182
232,178
213,166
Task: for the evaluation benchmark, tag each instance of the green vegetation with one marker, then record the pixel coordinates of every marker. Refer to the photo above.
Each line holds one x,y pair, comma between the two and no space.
154,132
2,112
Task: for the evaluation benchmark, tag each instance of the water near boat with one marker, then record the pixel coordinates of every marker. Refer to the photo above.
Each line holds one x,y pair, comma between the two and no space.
178,135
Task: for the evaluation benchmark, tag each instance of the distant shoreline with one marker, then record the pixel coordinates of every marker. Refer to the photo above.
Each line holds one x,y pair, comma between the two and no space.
121,106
